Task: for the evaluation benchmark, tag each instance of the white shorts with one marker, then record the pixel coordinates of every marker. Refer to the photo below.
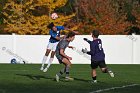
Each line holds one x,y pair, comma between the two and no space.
52,46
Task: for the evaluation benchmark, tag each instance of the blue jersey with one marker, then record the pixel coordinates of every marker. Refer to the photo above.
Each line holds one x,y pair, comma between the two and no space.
96,50
55,34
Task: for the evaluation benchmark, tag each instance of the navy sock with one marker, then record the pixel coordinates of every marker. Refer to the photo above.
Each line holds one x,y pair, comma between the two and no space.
94,78
61,72
67,71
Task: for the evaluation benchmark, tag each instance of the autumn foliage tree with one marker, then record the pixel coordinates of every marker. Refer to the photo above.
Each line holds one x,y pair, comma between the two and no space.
32,16
109,16
108,20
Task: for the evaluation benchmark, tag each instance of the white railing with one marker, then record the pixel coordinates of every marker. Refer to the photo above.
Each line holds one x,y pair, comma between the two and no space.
119,49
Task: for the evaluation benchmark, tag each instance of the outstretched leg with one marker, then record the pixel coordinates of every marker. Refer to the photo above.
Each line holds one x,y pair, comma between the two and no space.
106,70
50,61
45,59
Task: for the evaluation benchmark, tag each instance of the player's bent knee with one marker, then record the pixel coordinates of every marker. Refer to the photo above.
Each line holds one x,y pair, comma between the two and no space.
52,54
104,70
69,65
66,61
47,52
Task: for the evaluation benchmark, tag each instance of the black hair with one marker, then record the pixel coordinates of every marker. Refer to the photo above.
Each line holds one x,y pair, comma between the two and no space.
70,34
96,33
51,25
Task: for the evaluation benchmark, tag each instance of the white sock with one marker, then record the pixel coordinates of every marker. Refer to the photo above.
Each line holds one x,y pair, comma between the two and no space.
44,60
50,62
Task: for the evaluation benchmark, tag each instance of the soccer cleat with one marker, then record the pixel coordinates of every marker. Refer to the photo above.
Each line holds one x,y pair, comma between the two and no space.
69,78
45,70
42,68
57,78
111,73
94,81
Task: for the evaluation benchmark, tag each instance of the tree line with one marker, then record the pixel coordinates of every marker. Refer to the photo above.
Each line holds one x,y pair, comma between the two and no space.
33,16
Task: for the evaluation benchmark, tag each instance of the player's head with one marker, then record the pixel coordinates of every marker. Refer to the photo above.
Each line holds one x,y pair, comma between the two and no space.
95,33
52,26
71,36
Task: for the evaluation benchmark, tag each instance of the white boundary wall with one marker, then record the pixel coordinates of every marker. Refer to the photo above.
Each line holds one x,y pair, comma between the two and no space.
119,49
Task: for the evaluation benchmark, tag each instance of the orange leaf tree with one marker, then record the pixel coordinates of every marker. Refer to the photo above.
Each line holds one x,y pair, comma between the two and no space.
109,16
32,16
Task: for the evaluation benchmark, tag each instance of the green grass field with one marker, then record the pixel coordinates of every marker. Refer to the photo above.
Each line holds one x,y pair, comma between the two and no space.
20,78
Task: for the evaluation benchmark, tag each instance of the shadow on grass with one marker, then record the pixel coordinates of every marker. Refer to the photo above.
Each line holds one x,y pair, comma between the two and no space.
35,77
83,80
87,81
75,79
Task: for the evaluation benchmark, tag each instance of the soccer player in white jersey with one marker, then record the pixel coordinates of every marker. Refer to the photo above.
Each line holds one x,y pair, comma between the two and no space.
51,47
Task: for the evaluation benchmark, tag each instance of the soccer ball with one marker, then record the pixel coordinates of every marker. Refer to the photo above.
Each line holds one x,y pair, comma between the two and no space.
54,16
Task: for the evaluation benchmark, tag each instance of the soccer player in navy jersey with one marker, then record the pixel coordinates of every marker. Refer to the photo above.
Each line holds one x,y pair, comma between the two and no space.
51,47
97,55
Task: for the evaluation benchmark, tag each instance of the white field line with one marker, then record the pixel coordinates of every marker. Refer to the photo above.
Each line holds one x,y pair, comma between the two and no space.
112,88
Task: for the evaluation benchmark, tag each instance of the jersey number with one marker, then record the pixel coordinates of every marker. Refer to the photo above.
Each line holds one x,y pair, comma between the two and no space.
100,46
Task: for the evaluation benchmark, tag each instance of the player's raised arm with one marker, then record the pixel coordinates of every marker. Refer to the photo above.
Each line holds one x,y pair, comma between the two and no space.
59,38
85,39
76,32
71,47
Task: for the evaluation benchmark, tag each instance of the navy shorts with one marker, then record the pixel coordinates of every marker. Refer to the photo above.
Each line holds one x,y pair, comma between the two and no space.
95,64
60,61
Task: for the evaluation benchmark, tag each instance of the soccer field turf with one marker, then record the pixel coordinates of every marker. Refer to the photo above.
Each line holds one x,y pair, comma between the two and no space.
20,78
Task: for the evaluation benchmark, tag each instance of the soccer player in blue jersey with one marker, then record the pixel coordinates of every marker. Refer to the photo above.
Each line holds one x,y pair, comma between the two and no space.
51,47
97,55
